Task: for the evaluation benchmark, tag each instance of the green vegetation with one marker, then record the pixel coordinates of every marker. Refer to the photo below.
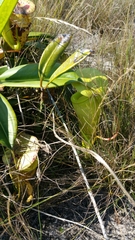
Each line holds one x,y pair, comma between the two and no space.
91,93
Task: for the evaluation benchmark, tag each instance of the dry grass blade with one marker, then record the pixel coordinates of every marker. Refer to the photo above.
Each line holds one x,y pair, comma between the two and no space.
83,175
93,233
59,21
100,160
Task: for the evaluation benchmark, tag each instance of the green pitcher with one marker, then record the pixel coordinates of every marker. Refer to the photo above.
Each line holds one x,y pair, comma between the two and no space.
87,102
88,111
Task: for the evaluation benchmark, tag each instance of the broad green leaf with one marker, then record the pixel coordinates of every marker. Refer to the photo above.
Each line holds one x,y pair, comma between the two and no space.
6,8
66,78
72,61
36,34
94,82
8,123
45,56
51,54
27,76
3,69
22,72
39,34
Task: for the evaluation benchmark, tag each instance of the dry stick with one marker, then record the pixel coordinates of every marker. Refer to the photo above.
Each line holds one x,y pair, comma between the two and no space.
82,173
100,160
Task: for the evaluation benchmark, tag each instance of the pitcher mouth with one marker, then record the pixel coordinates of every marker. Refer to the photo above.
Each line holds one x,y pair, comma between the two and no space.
78,98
